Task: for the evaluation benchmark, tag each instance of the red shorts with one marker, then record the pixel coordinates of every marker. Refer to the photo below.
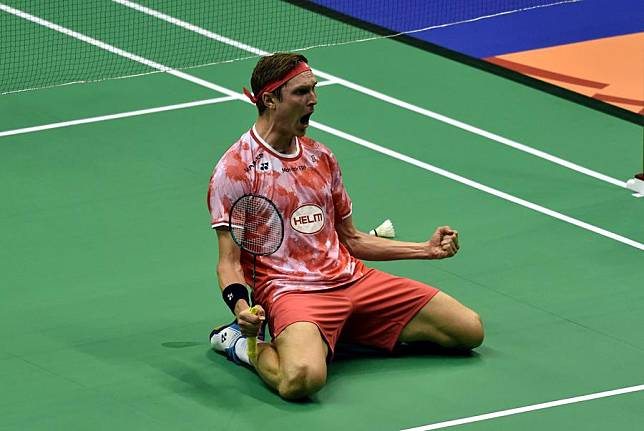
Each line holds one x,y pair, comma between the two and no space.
371,311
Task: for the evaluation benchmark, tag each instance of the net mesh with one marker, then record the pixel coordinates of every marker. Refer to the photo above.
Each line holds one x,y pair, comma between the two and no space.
55,42
256,226
416,15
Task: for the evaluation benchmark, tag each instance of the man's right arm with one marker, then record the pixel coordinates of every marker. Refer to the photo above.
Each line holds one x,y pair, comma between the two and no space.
229,271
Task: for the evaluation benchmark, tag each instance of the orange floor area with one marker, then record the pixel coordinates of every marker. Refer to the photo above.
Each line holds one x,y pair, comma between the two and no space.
610,69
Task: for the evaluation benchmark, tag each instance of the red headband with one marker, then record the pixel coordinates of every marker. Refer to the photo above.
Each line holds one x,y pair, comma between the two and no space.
272,86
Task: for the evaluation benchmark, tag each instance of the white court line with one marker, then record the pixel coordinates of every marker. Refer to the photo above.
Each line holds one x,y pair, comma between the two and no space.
127,114
381,96
116,116
336,132
325,83
526,409
476,185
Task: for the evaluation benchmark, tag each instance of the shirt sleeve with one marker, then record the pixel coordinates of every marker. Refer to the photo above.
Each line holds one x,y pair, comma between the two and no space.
227,184
341,199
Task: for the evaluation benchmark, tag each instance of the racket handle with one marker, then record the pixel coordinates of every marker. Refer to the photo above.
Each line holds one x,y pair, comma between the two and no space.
252,341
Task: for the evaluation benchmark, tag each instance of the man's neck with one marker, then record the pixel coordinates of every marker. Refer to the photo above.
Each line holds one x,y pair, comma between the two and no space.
279,141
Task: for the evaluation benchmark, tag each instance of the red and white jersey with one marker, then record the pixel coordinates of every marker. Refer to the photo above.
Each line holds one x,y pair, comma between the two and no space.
308,191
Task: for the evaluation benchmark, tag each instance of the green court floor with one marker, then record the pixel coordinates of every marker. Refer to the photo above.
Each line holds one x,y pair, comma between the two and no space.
108,262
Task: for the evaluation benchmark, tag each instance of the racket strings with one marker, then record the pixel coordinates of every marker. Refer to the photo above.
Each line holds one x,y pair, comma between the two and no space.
256,225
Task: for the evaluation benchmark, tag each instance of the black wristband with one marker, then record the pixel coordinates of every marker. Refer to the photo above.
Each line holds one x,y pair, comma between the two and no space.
233,293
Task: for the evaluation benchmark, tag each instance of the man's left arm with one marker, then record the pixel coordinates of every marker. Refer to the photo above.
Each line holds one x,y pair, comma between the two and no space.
442,244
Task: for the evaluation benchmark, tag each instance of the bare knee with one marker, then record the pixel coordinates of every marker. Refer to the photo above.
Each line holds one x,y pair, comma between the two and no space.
470,333
301,380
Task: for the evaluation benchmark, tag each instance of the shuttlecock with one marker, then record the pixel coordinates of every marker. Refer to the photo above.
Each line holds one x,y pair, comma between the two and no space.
385,230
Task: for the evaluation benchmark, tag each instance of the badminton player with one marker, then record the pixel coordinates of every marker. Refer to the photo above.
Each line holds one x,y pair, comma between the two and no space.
315,289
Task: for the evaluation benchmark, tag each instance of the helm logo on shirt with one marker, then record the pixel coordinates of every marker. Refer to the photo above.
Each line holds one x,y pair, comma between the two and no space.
308,219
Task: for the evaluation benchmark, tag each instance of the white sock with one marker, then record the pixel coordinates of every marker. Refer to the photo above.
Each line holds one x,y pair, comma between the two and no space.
241,350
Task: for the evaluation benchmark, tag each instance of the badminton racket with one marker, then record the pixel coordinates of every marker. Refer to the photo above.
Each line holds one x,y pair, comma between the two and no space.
257,227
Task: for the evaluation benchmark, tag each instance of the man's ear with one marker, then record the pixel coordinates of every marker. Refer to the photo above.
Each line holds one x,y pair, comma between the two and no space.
269,100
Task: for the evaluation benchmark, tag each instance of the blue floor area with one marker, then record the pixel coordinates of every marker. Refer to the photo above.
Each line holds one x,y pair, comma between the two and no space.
513,32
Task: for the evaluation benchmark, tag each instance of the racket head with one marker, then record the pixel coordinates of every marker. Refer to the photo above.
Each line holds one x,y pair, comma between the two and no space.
256,225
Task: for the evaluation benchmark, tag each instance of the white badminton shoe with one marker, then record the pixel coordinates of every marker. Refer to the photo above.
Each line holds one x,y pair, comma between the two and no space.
224,339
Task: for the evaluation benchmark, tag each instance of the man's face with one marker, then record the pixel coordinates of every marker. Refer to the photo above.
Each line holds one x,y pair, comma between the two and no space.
292,113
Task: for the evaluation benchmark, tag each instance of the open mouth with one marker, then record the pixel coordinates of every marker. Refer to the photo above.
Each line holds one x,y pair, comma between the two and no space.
305,119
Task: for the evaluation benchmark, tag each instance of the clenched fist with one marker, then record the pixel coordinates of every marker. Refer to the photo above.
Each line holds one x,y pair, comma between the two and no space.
443,243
